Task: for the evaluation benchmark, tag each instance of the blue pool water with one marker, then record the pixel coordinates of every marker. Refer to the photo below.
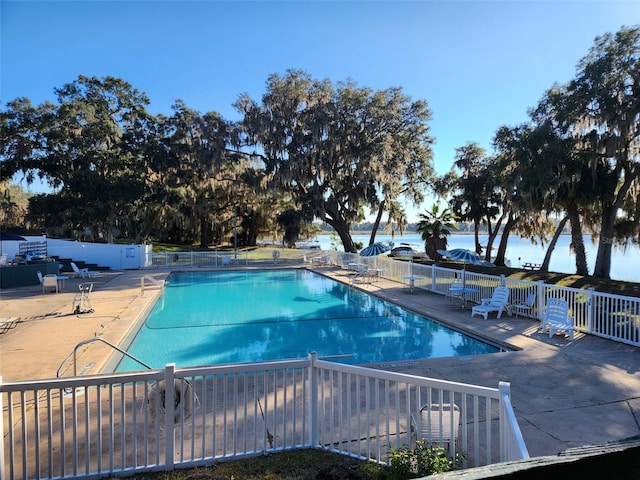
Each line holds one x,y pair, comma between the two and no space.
248,316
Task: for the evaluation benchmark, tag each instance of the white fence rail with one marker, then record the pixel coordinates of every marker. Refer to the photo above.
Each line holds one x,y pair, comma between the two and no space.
614,317
148,279
89,427
199,259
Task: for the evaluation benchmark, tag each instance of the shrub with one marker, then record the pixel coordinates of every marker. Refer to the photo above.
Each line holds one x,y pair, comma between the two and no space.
422,460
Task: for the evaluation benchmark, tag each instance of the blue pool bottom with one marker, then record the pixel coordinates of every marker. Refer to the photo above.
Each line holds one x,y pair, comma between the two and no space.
249,316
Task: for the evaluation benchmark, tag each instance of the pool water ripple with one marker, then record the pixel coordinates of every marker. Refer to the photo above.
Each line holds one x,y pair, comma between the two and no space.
248,316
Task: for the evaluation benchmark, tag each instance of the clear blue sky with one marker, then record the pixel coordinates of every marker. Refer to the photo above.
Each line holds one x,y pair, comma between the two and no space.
479,64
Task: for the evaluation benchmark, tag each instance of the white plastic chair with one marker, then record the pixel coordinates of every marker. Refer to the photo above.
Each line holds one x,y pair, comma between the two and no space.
524,307
360,273
497,303
438,424
556,318
48,281
83,272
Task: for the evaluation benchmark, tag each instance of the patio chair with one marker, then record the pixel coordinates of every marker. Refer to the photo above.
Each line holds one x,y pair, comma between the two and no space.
454,292
497,303
437,424
524,307
83,272
557,319
48,281
360,272
18,259
4,259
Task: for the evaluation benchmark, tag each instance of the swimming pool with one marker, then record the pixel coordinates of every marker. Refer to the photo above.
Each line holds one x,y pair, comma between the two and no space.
248,316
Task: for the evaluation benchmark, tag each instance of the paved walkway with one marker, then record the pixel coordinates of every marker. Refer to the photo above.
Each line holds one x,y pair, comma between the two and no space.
565,393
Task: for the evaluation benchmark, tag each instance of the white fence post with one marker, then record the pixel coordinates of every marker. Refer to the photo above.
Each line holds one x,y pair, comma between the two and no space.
169,415
590,309
434,277
505,389
313,400
541,296
512,446
1,437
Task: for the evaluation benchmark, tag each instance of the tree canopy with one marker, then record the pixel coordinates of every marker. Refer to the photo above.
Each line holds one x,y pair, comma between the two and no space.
330,152
339,149
314,150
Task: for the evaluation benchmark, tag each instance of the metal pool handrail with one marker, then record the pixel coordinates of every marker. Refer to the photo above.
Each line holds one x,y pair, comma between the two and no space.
91,340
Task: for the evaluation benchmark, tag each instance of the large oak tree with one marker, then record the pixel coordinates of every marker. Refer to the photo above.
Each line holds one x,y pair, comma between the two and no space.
600,111
339,149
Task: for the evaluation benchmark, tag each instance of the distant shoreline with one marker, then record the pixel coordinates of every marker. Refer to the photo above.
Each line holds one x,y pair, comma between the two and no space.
404,234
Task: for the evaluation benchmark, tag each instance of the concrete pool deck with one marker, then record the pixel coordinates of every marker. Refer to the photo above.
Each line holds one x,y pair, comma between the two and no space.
565,393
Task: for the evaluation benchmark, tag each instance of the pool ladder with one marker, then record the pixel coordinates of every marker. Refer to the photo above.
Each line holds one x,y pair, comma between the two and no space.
91,340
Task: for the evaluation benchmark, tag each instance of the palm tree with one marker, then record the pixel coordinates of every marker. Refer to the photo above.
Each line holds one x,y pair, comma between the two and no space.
435,226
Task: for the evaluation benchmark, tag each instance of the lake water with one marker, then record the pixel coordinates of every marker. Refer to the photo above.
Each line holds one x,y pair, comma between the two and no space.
624,263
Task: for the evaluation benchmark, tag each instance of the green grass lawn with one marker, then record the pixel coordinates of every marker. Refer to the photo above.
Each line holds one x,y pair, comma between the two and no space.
618,287
290,465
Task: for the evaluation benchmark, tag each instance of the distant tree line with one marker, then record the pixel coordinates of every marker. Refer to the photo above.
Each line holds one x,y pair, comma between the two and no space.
311,148
316,151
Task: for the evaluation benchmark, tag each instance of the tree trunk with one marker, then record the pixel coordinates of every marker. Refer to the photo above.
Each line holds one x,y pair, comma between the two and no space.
251,229
552,245
476,235
204,231
342,229
334,218
376,224
609,211
493,233
504,239
432,245
605,244
577,241
147,225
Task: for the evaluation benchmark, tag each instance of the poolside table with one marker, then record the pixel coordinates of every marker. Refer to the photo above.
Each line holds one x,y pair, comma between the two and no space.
61,279
356,266
463,292
377,273
411,279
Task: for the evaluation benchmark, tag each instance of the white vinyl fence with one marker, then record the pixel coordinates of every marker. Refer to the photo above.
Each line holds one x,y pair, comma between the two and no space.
614,317
93,426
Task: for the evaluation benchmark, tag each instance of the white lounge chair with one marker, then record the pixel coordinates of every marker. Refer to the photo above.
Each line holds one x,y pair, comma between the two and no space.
524,307
360,272
83,272
438,424
557,319
48,281
497,303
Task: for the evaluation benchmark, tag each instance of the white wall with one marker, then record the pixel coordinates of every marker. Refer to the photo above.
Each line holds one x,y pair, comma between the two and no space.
10,248
114,256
